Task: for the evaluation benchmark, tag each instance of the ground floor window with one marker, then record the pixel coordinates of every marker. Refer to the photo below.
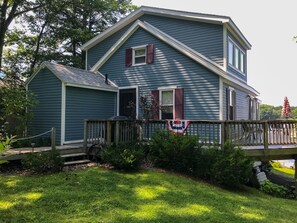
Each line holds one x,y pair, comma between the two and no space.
231,103
167,101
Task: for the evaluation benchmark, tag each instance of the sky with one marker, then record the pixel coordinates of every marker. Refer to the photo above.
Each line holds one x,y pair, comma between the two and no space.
269,25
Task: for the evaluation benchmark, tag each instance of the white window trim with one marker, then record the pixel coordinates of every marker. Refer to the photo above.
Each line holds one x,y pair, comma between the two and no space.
169,88
137,99
240,51
133,55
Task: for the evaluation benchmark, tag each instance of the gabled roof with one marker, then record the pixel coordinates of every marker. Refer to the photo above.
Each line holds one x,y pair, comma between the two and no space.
75,77
187,51
216,19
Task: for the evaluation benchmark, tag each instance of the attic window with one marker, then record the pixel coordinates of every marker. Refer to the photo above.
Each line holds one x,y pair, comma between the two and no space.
140,55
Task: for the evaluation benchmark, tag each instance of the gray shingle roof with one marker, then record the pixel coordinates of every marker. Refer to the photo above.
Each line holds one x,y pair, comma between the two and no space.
78,77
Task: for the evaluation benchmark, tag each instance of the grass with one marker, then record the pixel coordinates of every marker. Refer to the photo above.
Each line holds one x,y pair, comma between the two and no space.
285,172
99,195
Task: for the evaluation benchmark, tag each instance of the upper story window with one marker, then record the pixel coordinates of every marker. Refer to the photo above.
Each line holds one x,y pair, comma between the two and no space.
140,55
236,57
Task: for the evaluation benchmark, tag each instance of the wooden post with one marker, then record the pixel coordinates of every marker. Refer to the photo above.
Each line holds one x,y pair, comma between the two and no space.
265,132
85,135
223,136
117,132
53,138
108,133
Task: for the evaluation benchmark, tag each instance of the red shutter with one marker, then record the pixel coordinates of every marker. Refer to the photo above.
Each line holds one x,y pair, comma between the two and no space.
155,104
129,57
179,103
150,54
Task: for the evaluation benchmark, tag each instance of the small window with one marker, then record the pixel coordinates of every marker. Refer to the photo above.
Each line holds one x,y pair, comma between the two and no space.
139,56
167,104
236,58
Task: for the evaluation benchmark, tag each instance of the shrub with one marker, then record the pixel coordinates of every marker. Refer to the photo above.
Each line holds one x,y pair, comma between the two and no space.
174,152
126,156
227,166
45,162
276,190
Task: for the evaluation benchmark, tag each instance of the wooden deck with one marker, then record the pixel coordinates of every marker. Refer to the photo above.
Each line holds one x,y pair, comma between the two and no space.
19,153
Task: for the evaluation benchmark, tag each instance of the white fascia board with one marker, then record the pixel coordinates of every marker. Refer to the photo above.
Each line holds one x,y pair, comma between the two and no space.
90,87
117,45
185,50
244,87
113,29
165,13
232,28
165,38
42,66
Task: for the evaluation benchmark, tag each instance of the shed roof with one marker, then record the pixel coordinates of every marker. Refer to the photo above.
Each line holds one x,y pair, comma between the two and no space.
76,77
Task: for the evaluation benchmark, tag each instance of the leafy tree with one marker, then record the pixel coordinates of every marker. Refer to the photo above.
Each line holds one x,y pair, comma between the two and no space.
14,107
57,30
286,109
11,9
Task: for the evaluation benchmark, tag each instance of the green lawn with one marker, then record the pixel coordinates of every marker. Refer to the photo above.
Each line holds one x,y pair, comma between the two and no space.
99,195
287,172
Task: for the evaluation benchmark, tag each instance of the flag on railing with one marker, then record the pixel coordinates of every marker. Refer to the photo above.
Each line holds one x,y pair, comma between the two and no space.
177,126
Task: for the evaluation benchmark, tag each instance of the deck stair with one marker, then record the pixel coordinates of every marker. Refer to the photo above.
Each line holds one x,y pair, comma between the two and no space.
75,158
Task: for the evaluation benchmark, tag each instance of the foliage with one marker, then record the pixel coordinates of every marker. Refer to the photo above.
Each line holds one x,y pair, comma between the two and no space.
100,195
56,30
15,107
227,166
45,162
276,190
269,112
126,156
5,144
174,151
286,109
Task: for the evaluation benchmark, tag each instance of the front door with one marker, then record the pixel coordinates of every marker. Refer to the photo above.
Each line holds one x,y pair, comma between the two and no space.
128,103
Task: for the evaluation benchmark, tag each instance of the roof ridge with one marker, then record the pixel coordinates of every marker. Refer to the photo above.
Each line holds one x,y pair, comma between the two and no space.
75,68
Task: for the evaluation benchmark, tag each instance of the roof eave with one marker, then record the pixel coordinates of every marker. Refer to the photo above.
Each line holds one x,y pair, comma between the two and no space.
168,13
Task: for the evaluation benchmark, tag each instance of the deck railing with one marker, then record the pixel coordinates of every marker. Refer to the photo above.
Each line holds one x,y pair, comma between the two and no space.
241,133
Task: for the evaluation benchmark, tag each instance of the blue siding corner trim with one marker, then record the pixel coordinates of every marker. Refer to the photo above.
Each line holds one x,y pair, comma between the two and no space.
201,86
47,89
84,104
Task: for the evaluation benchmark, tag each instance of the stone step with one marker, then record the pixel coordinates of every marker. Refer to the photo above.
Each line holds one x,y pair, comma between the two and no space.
76,162
73,155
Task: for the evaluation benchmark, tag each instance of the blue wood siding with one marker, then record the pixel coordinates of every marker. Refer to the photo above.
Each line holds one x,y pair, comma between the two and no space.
84,104
201,86
47,89
242,103
231,69
95,53
204,38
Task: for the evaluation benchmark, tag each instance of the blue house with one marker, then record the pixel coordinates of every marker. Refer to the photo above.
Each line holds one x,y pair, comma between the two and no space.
195,66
